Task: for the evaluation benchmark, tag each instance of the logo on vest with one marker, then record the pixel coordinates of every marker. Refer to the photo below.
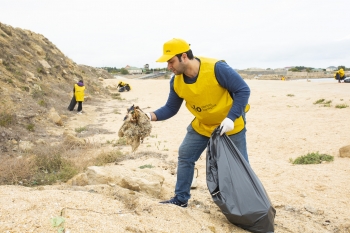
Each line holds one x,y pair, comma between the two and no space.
204,107
198,109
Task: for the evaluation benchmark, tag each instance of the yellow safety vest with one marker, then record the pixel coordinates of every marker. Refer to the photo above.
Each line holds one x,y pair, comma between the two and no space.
79,92
207,100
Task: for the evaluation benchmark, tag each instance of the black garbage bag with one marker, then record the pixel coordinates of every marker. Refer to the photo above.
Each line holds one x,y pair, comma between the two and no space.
72,104
235,188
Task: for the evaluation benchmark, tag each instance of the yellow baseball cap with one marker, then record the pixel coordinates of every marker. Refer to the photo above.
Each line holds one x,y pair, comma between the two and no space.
173,47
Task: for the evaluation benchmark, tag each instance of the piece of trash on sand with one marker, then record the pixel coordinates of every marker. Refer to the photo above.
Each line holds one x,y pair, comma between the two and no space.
135,128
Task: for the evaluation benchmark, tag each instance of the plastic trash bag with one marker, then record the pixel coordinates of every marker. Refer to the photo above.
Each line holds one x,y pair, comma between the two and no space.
235,188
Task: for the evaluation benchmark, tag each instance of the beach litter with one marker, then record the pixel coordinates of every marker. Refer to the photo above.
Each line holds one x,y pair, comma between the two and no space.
135,128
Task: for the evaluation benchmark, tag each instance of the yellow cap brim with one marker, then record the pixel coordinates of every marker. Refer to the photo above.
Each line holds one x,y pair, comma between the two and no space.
165,58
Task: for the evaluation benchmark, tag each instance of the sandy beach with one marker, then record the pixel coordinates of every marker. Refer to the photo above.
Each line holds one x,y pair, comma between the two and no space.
283,123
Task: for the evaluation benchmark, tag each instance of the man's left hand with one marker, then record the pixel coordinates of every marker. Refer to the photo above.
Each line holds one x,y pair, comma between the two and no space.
226,125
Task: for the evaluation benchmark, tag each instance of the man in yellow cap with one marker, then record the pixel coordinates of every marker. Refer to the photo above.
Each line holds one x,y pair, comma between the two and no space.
215,94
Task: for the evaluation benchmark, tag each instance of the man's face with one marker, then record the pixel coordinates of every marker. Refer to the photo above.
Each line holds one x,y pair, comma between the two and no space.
176,66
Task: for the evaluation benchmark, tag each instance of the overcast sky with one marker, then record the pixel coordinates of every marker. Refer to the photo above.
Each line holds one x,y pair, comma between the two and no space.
250,33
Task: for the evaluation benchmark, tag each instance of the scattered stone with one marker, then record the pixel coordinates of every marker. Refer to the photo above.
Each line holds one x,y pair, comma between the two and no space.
27,54
145,181
289,208
71,140
37,87
344,152
313,210
53,115
45,64
25,145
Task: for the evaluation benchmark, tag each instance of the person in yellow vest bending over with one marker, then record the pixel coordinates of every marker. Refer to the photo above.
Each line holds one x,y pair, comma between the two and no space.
339,75
215,94
123,86
79,90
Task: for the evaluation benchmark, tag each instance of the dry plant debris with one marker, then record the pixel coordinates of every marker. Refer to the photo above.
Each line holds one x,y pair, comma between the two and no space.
135,128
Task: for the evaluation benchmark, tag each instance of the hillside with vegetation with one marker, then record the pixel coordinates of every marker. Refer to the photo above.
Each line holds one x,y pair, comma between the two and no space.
36,83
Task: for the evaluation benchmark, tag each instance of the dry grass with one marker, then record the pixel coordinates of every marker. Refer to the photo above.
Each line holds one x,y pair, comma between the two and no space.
7,118
47,164
114,156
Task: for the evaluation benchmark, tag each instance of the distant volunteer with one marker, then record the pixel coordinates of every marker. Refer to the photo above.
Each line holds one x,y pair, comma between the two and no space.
79,93
339,75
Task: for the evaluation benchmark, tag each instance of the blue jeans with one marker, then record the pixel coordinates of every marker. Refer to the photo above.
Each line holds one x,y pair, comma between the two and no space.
190,150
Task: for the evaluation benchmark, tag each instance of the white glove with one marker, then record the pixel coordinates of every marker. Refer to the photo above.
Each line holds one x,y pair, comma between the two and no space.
226,125
148,114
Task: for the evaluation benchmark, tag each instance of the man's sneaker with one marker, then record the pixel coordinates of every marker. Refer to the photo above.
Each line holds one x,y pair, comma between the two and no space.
80,112
175,201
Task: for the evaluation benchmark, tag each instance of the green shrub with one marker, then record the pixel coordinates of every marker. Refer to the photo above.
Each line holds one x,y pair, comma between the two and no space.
7,119
341,106
80,129
313,158
320,101
324,102
42,103
25,89
30,127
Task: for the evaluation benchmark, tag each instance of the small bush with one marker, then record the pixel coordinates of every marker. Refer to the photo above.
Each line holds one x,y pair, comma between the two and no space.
80,129
51,168
320,101
327,103
324,102
42,169
25,89
110,157
313,158
41,70
341,106
30,127
290,95
146,166
7,119
42,103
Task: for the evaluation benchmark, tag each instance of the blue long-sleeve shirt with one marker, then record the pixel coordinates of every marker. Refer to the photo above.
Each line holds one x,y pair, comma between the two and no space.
226,77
